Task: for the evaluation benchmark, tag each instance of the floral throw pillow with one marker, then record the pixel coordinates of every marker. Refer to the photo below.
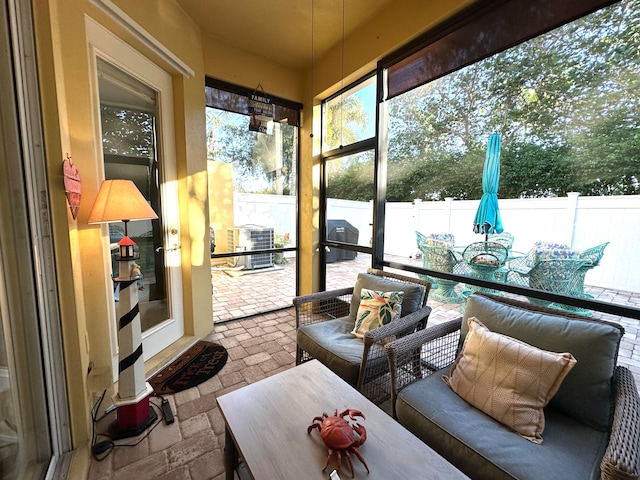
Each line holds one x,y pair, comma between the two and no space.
376,309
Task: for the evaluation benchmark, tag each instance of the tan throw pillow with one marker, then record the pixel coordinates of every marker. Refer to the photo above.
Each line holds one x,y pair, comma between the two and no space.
376,309
508,379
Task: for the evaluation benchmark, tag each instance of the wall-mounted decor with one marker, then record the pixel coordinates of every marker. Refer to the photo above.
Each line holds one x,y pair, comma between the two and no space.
72,185
260,112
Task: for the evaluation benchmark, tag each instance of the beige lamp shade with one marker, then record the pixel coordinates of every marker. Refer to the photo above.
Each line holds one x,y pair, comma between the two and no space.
120,200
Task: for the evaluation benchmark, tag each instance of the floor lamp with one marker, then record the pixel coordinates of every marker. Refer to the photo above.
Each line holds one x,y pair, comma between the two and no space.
121,201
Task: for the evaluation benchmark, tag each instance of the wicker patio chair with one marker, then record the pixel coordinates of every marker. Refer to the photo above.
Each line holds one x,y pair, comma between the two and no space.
324,322
505,239
425,352
592,257
484,260
557,275
438,254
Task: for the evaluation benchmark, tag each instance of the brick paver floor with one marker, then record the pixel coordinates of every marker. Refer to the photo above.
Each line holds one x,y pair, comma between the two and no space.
192,447
259,346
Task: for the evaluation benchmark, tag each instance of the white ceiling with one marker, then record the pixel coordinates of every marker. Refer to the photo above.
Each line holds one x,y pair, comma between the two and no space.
280,30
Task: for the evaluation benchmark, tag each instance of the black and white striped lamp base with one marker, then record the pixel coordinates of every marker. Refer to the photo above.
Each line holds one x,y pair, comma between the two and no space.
132,399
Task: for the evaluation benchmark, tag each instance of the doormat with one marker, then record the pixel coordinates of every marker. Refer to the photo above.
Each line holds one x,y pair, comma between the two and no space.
198,364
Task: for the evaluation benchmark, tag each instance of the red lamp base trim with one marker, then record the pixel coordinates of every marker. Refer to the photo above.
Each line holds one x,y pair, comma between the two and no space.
134,415
132,420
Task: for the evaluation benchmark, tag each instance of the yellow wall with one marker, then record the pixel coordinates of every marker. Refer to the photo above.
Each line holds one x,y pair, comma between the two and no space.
69,129
399,22
221,213
64,72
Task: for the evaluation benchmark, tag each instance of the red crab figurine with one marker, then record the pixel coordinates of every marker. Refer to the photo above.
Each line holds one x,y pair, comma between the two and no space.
337,435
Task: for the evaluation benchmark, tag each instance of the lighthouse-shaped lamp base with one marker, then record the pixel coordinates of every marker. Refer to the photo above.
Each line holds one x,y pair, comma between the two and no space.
134,412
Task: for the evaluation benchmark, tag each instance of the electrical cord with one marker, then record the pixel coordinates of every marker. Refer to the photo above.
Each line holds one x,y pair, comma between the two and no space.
97,448
102,449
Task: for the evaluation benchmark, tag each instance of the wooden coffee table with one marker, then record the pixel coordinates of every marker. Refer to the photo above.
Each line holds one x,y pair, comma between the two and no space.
266,425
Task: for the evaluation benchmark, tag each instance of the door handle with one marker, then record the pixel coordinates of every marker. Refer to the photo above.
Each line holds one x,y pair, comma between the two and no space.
172,249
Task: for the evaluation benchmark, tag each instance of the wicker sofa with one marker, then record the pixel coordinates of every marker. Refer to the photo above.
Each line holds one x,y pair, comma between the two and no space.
592,424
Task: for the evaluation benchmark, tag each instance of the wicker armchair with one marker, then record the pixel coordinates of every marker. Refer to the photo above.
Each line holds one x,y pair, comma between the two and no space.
324,324
433,350
592,257
484,260
557,275
438,254
505,239
552,267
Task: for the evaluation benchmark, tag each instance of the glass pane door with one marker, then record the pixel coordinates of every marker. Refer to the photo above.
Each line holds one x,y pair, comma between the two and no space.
135,104
33,413
128,118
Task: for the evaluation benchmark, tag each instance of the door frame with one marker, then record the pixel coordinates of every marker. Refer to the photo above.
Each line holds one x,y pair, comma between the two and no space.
110,48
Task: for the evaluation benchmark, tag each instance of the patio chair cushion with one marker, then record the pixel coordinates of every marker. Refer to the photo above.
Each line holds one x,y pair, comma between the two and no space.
376,309
413,294
475,442
333,344
507,379
545,250
593,343
441,239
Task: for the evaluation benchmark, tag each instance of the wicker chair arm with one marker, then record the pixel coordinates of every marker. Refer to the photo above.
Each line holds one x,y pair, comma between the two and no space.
318,296
409,343
405,354
322,306
622,457
374,341
402,326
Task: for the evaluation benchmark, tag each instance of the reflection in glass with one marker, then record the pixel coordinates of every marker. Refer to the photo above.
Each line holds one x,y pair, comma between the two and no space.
350,117
128,117
349,192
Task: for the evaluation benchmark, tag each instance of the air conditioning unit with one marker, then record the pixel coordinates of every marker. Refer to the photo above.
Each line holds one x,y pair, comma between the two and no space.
250,237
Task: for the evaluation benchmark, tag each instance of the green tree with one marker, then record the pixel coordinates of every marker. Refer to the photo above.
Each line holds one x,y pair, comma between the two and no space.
531,171
127,132
354,179
262,163
343,118
565,103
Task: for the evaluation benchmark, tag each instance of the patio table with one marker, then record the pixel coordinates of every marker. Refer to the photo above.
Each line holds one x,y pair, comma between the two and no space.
484,260
266,427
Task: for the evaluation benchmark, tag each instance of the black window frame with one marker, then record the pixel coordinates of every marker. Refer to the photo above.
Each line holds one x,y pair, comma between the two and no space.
344,151
516,21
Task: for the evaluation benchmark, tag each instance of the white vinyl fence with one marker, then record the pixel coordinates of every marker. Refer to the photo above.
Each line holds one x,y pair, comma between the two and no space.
581,222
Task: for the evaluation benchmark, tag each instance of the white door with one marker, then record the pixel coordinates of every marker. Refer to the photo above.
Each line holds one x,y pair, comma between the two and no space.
134,113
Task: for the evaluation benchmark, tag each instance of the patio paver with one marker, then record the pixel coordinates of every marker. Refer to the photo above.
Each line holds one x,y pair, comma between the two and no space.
259,346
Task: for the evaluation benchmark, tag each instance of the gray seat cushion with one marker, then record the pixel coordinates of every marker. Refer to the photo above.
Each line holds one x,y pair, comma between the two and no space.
485,449
413,293
594,344
333,344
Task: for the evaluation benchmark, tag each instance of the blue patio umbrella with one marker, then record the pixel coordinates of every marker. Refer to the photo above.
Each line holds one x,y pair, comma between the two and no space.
488,215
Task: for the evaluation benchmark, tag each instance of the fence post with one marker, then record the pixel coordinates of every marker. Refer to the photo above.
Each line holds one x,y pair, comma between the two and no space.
416,226
416,214
572,208
448,203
